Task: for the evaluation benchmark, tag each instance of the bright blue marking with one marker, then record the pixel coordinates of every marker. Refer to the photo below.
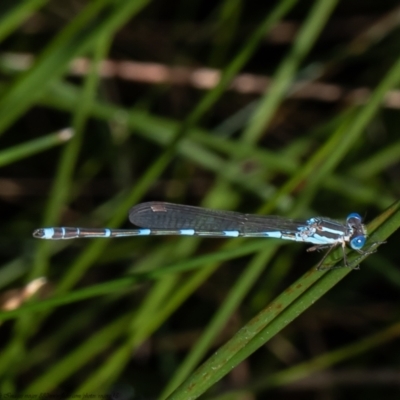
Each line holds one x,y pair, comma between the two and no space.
63,232
186,231
107,232
144,231
354,215
48,233
358,242
318,239
303,228
276,234
325,229
231,233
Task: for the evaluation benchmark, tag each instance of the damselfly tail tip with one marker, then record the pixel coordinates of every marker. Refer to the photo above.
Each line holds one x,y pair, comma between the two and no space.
39,233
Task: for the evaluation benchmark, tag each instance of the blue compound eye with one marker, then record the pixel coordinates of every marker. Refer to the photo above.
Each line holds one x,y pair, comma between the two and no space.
355,216
357,242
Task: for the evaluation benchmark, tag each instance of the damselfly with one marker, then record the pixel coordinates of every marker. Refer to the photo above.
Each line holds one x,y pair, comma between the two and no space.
160,218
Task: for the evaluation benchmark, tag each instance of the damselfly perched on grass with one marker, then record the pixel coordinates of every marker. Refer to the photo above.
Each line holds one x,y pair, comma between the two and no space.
160,218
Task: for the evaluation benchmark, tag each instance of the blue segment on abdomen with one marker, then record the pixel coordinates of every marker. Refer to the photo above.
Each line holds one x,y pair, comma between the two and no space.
189,232
231,233
48,233
276,234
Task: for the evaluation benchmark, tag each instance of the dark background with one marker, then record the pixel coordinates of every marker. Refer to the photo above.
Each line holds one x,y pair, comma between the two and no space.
146,128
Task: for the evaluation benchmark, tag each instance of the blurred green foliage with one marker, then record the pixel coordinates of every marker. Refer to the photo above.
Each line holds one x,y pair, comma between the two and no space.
288,107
